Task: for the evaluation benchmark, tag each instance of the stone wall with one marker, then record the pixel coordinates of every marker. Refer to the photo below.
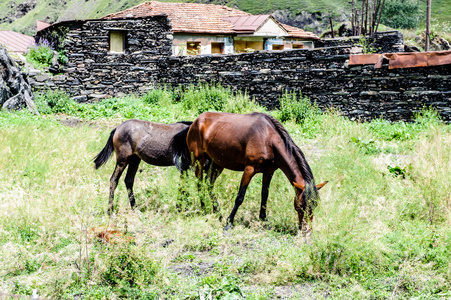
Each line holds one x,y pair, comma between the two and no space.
92,71
380,42
322,74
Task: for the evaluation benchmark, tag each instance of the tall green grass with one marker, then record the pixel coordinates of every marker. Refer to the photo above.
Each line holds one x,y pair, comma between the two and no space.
375,234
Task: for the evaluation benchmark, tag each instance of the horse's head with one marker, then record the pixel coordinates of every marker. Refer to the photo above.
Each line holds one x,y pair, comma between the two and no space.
305,201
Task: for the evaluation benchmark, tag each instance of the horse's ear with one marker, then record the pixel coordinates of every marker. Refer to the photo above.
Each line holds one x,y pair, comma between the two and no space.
301,187
319,186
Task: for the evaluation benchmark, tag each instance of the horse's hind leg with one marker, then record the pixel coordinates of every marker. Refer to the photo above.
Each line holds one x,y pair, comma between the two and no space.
130,178
265,191
213,174
120,166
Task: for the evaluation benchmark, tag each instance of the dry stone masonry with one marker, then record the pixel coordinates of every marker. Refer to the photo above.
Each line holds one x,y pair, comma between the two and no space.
322,74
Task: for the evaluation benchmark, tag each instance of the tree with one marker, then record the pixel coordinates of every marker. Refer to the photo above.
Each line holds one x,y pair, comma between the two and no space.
403,14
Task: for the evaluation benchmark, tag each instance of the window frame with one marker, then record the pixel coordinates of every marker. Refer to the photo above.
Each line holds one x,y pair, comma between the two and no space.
193,50
123,35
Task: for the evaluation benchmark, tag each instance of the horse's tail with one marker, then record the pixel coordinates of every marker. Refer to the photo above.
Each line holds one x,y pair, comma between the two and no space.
180,152
106,152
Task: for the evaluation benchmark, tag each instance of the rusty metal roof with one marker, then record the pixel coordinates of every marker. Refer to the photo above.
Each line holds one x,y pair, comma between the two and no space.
364,59
247,23
15,42
403,60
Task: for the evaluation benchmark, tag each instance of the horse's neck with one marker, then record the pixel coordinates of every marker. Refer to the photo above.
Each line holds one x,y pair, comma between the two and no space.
288,164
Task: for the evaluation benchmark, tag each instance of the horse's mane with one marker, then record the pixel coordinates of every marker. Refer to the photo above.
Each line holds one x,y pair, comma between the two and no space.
189,123
292,148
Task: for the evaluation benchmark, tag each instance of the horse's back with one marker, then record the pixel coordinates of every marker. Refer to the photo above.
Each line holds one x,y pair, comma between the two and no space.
232,140
150,141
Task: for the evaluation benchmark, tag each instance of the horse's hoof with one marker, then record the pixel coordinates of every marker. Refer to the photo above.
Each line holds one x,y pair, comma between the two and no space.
305,232
228,227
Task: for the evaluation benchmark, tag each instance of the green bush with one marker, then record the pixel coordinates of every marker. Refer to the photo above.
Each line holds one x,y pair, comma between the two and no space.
158,96
126,266
297,109
403,14
41,54
55,102
202,98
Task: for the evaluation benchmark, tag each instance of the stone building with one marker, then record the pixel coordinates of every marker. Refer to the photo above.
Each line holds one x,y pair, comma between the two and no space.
98,65
217,29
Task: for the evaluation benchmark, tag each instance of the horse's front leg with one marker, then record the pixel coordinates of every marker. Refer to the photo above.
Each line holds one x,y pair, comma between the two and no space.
265,192
249,172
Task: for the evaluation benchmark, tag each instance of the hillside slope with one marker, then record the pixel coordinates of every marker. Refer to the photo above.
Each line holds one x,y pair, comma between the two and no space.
21,15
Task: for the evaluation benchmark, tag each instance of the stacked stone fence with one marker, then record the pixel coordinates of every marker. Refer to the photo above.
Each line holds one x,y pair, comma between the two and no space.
322,74
379,42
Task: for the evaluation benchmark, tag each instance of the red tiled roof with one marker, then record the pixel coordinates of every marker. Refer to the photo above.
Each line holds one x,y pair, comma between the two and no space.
15,42
186,17
299,33
204,18
42,25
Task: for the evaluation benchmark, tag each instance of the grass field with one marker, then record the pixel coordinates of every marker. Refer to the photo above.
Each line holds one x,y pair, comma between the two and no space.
381,231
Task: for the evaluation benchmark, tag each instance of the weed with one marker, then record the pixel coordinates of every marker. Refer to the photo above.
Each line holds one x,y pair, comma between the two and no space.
158,96
297,108
202,98
227,288
41,54
126,267
397,171
367,146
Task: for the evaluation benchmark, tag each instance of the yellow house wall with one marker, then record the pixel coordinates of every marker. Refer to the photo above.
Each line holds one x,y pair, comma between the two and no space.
179,43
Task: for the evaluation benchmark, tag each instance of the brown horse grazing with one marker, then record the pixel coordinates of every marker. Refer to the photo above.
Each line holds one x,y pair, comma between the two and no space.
253,143
136,140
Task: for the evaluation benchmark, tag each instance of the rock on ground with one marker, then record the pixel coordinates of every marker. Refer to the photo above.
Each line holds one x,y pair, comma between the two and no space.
15,91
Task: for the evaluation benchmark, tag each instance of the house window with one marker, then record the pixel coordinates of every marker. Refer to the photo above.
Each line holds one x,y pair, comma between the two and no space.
192,48
277,47
117,41
248,46
217,48
298,46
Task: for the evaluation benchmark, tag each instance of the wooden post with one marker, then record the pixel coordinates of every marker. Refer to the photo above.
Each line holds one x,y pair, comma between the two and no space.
352,18
380,14
428,26
362,22
332,27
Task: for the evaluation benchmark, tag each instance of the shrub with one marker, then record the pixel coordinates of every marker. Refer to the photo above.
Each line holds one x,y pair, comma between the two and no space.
128,267
158,96
296,109
401,14
55,102
202,98
41,54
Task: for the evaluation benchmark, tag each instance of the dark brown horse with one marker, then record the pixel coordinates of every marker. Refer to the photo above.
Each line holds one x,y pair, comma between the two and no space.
136,140
253,143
